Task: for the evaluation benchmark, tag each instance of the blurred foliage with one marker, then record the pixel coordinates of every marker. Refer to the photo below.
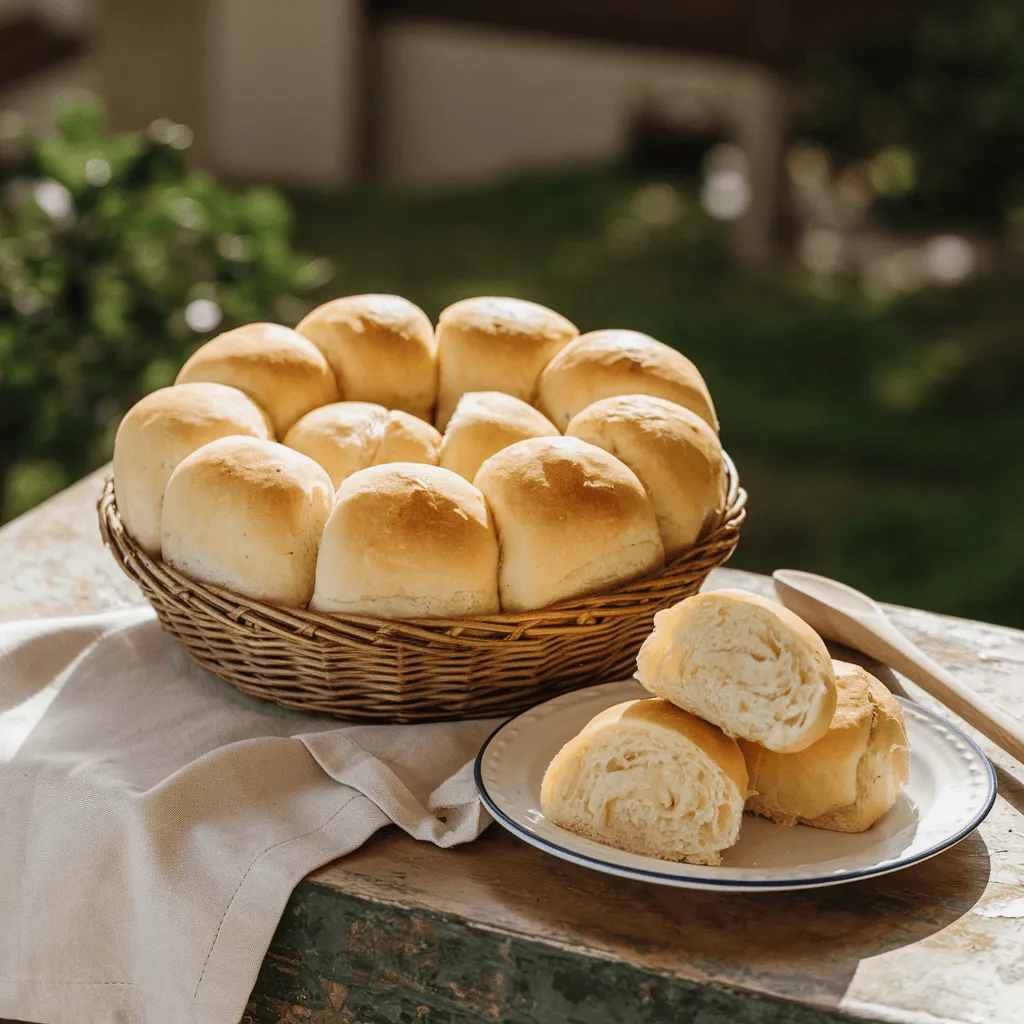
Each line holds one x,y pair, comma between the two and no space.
937,111
116,261
878,438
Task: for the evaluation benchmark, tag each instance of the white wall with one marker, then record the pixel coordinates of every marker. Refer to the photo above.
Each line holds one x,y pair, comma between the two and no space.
36,97
455,103
464,103
273,90
281,101
64,12
72,14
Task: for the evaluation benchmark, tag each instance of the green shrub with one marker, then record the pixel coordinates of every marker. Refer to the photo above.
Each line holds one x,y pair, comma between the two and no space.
938,110
116,261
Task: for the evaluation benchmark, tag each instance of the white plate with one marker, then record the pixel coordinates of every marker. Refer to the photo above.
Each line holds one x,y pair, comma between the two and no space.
952,787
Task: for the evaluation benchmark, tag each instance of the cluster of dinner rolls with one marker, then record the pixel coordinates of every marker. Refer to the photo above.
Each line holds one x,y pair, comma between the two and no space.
750,712
368,463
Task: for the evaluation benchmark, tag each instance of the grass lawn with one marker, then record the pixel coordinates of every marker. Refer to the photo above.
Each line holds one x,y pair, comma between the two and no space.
879,438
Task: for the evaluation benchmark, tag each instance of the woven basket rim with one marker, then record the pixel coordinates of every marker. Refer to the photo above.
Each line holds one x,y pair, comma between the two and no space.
302,621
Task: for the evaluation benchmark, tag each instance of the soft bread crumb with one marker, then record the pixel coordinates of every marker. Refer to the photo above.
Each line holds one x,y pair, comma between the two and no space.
650,779
746,664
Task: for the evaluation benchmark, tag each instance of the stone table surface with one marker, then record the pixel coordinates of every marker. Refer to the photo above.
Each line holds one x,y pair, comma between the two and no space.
498,931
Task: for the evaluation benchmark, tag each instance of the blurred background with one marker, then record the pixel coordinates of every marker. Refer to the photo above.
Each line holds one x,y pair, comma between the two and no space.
823,207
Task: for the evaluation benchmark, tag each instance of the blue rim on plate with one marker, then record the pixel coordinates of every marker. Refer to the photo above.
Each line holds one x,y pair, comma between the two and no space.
705,882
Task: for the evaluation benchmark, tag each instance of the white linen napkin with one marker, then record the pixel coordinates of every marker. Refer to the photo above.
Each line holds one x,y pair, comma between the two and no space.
154,821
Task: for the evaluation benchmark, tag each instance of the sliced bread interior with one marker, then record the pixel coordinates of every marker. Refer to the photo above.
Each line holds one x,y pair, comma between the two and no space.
744,663
651,779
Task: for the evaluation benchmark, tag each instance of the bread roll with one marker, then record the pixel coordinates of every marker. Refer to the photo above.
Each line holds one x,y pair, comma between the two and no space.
274,366
158,432
345,437
605,363
850,777
408,541
247,515
744,663
651,779
483,423
674,453
407,438
381,349
342,437
495,344
571,520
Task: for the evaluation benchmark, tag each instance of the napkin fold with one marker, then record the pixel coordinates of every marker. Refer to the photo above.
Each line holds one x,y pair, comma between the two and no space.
154,821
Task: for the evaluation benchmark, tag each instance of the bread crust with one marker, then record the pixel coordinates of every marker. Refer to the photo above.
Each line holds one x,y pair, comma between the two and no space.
674,453
343,437
490,343
408,541
159,431
408,438
248,515
605,363
483,423
849,778
275,366
571,520
381,349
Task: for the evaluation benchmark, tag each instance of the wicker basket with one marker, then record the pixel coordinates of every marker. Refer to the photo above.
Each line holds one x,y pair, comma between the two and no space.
416,670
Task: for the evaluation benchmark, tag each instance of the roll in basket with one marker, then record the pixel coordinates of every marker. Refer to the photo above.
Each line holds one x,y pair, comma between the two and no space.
417,670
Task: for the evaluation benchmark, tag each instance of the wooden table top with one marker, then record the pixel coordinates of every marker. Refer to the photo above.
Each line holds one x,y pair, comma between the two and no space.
496,930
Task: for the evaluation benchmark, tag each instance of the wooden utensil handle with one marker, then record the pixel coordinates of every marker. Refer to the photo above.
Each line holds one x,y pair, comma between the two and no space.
989,720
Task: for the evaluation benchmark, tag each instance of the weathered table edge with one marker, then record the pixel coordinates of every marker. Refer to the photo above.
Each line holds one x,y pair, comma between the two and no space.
349,958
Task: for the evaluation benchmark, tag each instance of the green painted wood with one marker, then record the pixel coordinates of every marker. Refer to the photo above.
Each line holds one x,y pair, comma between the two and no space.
337,959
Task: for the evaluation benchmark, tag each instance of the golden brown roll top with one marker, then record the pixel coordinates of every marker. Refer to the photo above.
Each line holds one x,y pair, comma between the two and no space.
342,437
276,367
247,515
408,541
674,453
616,362
407,438
381,349
495,344
571,520
158,432
484,422
849,778
345,437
